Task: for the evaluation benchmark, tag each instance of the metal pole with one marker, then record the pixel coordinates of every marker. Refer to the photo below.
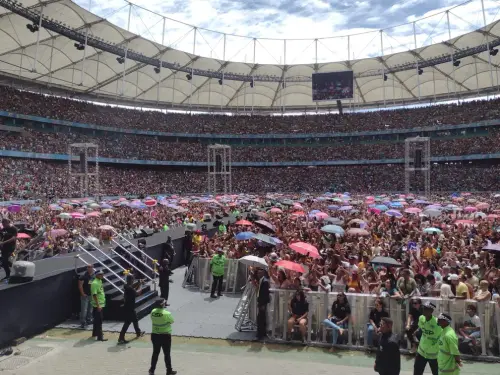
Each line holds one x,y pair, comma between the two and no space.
348,47
451,53
129,15
208,171
161,63
253,88
223,59
416,59
84,55
284,76
38,38
124,69
382,59
487,41
50,63
191,80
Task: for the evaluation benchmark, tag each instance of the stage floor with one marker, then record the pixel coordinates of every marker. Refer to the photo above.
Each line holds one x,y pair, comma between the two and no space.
195,314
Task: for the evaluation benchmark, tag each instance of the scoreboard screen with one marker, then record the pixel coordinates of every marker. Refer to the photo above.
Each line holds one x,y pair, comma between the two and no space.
332,86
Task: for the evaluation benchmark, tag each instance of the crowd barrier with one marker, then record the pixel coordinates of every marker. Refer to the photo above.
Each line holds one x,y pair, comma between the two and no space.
199,275
361,304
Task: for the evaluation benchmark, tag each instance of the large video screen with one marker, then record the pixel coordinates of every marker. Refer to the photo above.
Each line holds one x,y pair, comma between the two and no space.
332,86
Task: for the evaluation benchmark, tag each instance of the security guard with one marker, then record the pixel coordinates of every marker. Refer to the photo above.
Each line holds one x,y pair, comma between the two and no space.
217,267
448,359
428,347
98,303
161,335
388,360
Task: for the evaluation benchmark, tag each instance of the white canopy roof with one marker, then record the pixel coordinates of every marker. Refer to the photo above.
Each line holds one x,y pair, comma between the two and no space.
59,64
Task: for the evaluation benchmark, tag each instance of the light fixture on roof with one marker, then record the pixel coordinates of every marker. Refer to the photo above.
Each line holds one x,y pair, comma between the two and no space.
456,63
189,76
157,70
221,81
493,51
420,71
120,59
385,77
252,83
32,27
79,46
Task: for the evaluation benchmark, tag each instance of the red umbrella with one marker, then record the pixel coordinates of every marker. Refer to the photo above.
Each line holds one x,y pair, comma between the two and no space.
305,249
243,222
291,266
23,236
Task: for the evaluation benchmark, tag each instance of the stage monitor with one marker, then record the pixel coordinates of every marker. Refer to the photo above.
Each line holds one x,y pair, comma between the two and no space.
332,86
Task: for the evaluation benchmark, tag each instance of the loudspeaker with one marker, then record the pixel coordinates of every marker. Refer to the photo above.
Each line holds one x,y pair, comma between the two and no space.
22,272
418,158
138,233
207,217
218,163
148,232
83,162
339,107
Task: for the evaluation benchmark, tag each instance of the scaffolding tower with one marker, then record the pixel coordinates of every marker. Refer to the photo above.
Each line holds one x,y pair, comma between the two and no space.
418,162
219,169
81,152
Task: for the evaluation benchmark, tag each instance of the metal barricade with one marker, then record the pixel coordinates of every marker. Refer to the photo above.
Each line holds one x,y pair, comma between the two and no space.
356,333
234,275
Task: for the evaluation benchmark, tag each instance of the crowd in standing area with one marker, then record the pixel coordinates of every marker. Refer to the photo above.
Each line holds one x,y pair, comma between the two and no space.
59,108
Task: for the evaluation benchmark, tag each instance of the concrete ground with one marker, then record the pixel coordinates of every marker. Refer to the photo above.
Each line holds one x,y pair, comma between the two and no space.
71,352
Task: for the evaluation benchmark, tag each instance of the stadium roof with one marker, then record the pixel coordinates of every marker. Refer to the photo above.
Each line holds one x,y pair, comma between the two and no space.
60,65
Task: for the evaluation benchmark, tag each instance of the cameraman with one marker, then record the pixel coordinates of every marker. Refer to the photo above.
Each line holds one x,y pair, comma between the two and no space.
131,291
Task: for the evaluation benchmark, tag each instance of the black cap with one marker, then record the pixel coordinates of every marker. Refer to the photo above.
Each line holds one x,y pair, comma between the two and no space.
429,305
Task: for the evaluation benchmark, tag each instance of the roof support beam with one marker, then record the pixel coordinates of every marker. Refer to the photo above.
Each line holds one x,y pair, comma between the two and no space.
254,68
280,86
204,83
348,64
382,61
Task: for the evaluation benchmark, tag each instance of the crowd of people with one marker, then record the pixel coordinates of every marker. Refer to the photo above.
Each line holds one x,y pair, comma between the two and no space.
32,179
151,148
59,108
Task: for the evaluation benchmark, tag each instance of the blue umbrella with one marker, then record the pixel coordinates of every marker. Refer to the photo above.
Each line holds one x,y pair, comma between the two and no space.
314,212
36,208
333,207
394,213
243,236
267,239
333,229
381,207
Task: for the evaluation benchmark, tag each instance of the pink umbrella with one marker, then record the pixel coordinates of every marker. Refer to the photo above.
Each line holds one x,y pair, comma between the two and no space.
305,249
276,210
493,217
358,232
291,266
94,214
321,215
150,202
106,227
23,236
482,206
184,201
54,233
413,210
470,209
77,215
464,222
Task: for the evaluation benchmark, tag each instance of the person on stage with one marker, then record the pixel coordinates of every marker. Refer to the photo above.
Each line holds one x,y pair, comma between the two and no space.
98,303
449,361
263,299
164,278
161,335
8,240
388,360
131,291
428,347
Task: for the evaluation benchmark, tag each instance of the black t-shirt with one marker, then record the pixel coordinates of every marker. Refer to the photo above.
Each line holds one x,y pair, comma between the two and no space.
87,280
129,297
299,308
415,313
377,316
340,311
7,234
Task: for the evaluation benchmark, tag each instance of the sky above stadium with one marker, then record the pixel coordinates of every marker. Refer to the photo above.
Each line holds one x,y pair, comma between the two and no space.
296,19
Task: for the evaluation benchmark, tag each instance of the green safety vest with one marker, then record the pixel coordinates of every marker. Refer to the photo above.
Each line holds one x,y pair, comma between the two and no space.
162,321
448,349
97,289
431,331
218,262
222,228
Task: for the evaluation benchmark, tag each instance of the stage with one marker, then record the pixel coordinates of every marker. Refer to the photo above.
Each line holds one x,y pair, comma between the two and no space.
195,314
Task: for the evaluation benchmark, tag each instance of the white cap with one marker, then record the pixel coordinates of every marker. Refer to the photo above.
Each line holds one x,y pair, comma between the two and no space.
453,277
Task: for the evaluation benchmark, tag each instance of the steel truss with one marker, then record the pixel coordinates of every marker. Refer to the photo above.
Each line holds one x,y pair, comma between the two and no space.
82,178
412,147
224,172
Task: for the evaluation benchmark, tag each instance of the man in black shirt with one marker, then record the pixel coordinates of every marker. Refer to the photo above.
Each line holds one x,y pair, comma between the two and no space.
84,288
388,360
8,238
131,291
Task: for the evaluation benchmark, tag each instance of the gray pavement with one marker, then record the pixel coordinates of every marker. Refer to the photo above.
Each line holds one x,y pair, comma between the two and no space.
195,314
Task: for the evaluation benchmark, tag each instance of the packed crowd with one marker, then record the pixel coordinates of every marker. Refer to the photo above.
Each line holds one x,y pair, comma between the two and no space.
315,246
84,112
151,148
26,178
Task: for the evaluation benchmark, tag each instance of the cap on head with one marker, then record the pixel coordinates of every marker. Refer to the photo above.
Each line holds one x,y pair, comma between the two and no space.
453,277
273,257
220,250
99,273
445,317
160,302
429,305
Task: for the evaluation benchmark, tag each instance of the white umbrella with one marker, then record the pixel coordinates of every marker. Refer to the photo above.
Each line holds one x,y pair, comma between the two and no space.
253,261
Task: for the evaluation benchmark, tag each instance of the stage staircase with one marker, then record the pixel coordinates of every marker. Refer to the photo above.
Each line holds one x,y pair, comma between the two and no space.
115,265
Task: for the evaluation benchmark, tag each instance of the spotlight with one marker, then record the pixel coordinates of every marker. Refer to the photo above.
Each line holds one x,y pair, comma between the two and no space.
157,70
32,27
220,82
420,71
456,63
385,77
493,52
79,46
283,85
252,83
120,59
189,76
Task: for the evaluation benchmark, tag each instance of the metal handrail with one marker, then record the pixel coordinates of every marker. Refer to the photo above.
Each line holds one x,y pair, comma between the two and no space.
77,256
102,252
144,264
133,266
131,244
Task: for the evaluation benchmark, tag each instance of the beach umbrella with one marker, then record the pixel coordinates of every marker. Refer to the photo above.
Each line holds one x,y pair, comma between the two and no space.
36,208
433,230
333,229
267,239
253,261
64,215
266,225
334,220
276,210
358,232
413,210
243,222
291,266
393,213
243,236
385,261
